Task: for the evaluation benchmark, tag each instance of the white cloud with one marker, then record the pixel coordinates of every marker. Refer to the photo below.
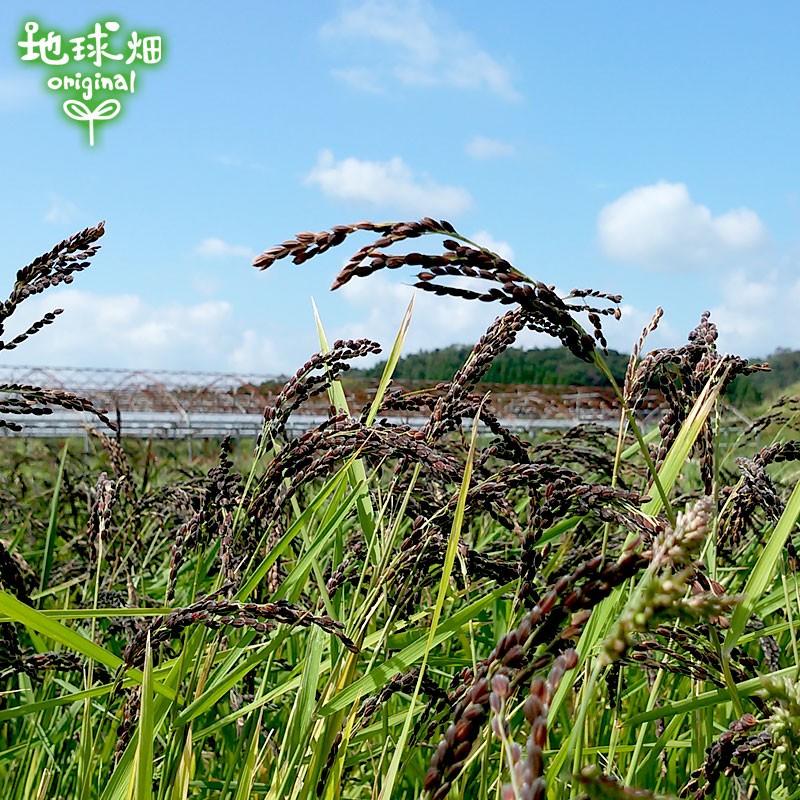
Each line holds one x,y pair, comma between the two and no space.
661,227
622,334
206,285
360,78
503,249
61,211
125,331
390,184
481,147
218,248
254,351
755,313
379,302
415,45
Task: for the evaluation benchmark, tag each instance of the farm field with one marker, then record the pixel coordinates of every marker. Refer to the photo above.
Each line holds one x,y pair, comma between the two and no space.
371,610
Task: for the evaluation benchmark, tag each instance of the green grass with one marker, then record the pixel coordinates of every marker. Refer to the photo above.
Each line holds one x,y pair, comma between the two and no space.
346,604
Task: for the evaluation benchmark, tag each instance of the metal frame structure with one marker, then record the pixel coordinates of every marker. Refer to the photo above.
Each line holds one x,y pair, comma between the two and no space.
182,392
182,404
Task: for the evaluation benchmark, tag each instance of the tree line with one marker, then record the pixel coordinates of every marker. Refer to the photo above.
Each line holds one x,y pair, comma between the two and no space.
556,366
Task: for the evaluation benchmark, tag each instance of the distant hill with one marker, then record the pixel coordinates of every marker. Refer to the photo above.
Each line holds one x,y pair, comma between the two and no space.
556,366
766,386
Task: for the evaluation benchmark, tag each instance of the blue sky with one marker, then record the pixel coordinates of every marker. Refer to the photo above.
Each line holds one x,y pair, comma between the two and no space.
640,148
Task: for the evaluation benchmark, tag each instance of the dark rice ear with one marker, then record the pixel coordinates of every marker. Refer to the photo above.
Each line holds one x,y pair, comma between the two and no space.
681,373
50,269
312,379
12,577
216,614
559,609
16,398
462,258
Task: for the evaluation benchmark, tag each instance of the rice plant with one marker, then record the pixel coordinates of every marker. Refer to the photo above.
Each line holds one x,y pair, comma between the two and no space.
373,610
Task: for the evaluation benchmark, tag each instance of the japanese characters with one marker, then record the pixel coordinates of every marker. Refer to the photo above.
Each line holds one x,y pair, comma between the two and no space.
92,68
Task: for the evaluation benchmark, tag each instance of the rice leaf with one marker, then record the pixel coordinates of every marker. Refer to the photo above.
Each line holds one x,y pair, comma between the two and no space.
765,569
144,749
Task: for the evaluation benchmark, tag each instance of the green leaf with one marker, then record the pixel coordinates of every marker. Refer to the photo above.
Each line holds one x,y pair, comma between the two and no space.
35,620
52,523
294,529
118,786
297,578
679,452
247,775
747,688
387,784
606,612
97,613
764,571
357,472
225,680
444,584
391,364
144,752
402,661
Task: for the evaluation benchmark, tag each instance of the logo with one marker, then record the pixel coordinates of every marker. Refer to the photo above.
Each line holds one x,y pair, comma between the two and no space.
93,71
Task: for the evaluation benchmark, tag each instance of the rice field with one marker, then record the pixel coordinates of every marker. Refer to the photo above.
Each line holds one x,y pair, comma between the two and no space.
372,610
